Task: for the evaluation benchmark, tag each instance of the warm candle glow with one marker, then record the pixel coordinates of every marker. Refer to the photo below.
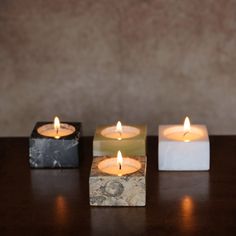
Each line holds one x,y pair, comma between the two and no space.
120,131
187,205
56,129
119,165
61,210
187,126
56,123
119,159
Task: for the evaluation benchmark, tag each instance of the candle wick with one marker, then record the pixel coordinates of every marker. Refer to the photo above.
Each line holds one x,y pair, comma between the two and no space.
185,133
120,134
119,166
57,130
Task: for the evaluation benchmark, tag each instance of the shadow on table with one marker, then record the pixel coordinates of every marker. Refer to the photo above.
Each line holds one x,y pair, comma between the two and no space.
118,220
56,197
48,183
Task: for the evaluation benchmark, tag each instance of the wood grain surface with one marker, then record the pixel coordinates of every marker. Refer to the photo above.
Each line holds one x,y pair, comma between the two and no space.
56,202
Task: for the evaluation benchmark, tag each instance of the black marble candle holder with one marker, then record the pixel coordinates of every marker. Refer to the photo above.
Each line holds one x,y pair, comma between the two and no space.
49,152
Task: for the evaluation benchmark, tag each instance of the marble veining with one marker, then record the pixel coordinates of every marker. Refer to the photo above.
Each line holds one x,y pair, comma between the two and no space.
45,152
53,153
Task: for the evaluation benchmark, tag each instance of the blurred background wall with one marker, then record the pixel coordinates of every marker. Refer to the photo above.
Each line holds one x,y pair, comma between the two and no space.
150,61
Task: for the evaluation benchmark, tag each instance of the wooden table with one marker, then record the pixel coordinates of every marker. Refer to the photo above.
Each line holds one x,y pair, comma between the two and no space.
45,202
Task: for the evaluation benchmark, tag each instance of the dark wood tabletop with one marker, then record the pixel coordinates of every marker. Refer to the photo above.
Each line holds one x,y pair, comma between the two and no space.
56,202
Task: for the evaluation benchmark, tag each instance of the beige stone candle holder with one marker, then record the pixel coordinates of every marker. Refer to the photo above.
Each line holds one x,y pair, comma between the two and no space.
114,190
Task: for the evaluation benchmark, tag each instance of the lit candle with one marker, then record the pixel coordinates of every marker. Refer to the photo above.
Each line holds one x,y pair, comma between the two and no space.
119,165
183,147
56,130
119,159
57,125
120,132
184,133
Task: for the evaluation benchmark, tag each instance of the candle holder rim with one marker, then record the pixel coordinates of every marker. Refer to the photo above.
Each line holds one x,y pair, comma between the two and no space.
95,171
76,125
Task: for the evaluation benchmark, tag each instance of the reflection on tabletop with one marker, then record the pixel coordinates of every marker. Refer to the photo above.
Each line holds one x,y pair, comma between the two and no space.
189,190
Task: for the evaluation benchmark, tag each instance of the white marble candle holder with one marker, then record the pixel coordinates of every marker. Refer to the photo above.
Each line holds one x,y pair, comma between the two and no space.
113,190
176,155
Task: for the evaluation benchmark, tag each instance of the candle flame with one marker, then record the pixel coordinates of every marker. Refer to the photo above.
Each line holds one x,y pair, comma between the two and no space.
187,125
119,159
56,123
119,127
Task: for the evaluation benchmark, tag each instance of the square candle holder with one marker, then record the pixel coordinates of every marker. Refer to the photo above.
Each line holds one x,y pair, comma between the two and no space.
176,155
114,190
133,146
50,152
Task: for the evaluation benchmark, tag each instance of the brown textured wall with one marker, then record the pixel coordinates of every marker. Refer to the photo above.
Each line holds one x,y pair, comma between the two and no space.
98,61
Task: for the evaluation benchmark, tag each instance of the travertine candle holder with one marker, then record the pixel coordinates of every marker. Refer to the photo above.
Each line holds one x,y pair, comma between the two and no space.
133,146
177,155
113,190
49,152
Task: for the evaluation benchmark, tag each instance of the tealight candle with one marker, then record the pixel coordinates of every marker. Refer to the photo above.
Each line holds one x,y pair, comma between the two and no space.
119,165
120,132
183,147
184,133
131,140
55,145
56,130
